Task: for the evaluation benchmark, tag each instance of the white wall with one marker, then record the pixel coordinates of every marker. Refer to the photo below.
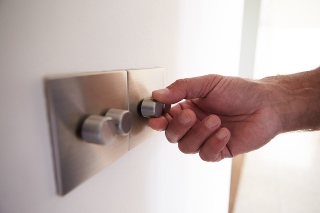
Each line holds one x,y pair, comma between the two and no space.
38,38
288,37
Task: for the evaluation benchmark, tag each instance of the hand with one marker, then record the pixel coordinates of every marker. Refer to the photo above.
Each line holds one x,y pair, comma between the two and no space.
220,117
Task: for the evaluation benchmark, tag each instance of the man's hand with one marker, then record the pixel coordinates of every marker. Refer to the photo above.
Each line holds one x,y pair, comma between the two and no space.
219,117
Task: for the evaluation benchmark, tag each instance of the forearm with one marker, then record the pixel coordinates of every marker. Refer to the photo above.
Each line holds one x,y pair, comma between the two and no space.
296,99
297,81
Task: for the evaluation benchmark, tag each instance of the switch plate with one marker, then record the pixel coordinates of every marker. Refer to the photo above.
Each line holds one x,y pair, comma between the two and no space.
70,100
141,83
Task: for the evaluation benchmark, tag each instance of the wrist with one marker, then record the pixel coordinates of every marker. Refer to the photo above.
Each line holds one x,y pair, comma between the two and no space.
307,109
296,105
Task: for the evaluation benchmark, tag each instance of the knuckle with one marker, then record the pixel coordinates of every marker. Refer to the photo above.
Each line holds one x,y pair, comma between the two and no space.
182,82
201,133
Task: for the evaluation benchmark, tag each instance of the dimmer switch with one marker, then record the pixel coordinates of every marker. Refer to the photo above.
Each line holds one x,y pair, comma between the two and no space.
90,123
151,108
141,83
101,129
92,116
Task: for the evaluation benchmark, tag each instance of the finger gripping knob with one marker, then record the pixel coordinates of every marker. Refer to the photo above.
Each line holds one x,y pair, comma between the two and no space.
151,108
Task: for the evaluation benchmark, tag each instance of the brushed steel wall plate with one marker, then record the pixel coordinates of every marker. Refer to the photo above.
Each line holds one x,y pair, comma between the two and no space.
70,100
141,83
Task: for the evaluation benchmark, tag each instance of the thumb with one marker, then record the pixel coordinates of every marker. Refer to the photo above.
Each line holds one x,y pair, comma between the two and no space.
188,88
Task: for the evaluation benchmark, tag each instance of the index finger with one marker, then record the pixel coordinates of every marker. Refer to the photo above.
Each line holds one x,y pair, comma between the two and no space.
188,88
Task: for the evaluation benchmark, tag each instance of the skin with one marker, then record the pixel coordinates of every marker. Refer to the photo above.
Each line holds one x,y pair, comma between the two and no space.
220,117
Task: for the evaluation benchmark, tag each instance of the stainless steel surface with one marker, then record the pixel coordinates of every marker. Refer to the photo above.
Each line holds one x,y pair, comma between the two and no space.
98,129
141,83
151,108
72,99
122,120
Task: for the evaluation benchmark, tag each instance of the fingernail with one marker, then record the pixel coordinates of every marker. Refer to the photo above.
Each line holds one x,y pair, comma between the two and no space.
162,91
222,133
184,118
212,122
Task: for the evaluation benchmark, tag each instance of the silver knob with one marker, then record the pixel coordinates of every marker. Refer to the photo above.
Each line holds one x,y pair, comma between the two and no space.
122,120
151,108
101,129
